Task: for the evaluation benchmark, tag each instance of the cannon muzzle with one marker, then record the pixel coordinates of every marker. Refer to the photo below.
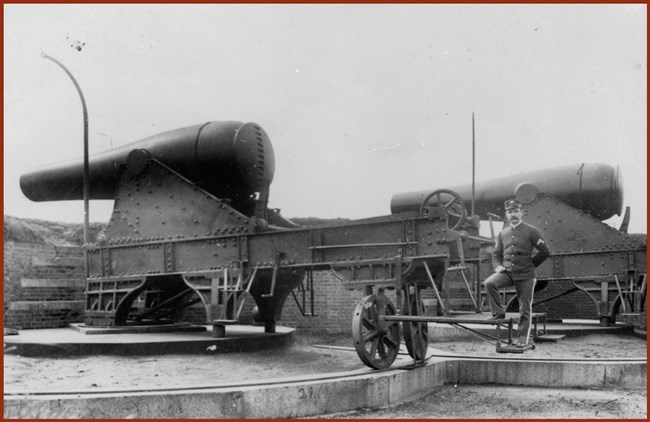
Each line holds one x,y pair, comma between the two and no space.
231,160
595,189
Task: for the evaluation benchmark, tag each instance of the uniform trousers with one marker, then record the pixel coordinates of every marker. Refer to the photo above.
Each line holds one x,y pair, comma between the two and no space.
524,289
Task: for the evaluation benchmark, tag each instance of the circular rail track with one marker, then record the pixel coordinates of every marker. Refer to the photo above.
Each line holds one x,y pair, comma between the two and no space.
322,377
299,380
319,394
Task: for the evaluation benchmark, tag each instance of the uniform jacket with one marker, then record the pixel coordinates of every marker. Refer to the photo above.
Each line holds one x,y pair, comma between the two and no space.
514,250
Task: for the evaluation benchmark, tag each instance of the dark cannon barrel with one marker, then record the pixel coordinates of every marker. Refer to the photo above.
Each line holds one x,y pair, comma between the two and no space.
229,159
594,188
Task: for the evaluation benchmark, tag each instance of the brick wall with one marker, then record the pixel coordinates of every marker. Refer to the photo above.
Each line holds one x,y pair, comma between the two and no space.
333,306
43,285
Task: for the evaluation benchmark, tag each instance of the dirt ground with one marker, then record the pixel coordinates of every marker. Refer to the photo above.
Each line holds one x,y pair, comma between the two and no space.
22,374
593,346
502,402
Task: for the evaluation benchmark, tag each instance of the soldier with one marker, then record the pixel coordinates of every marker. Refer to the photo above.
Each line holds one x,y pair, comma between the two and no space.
514,264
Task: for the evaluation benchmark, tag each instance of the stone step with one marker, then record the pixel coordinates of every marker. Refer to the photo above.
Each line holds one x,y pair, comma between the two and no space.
47,305
70,283
67,262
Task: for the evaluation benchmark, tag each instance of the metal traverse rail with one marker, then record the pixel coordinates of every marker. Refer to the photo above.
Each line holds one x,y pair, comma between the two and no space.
318,377
455,322
269,382
502,358
540,334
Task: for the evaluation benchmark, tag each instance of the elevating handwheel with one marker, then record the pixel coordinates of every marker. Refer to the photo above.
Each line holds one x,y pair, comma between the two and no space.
446,204
376,341
416,334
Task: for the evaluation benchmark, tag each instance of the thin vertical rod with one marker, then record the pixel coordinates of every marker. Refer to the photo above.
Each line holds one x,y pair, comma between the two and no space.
473,167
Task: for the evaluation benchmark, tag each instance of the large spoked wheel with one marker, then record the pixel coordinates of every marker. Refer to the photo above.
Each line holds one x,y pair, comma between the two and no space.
376,341
416,334
445,204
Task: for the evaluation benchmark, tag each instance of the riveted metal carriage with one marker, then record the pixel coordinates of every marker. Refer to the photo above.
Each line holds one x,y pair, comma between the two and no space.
190,225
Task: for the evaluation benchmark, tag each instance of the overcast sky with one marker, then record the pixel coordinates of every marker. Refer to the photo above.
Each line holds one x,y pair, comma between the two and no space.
360,101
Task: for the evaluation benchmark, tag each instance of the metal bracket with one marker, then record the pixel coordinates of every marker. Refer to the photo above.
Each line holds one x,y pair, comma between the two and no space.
303,290
276,269
435,289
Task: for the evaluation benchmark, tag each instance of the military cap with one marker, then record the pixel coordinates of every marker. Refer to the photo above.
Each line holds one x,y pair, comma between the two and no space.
511,204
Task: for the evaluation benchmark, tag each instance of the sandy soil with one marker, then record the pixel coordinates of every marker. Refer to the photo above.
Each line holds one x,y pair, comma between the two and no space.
89,373
594,346
22,374
501,402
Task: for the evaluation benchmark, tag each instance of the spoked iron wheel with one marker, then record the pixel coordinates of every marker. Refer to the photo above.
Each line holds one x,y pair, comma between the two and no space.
376,341
415,333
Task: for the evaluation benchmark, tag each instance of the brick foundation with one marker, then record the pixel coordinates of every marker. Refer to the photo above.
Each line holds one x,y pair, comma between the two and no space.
43,285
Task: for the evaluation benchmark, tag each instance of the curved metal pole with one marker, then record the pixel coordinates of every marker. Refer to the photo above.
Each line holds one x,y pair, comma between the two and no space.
86,166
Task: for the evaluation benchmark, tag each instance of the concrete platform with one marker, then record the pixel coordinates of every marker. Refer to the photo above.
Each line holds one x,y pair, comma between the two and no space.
153,340
280,398
320,395
301,396
177,327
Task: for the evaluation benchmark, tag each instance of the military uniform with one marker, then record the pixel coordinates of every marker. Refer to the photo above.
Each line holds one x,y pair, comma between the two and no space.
513,252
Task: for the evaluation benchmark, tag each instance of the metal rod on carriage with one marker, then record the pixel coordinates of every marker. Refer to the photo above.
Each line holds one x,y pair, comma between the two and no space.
620,293
240,278
276,269
363,245
304,292
164,303
301,288
435,289
493,217
480,239
248,289
641,296
310,284
252,278
469,290
451,321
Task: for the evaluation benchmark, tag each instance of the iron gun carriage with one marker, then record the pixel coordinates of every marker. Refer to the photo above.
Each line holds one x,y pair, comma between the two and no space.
191,224
569,205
